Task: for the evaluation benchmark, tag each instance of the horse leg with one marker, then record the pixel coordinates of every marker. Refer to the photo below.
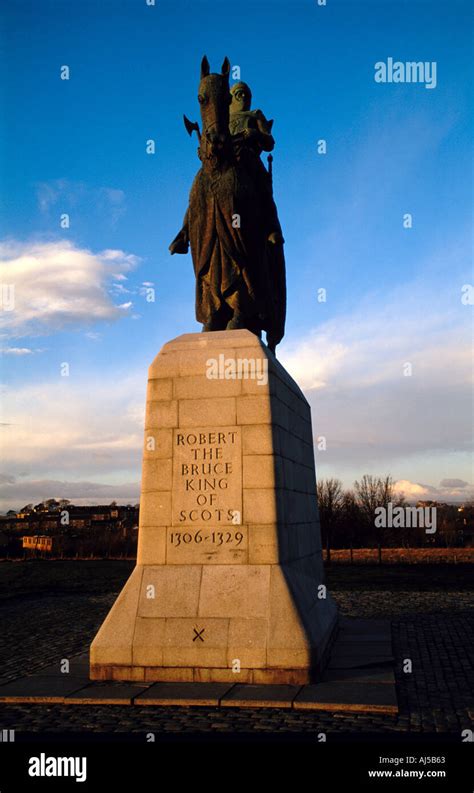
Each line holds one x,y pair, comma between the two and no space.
217,320
240,319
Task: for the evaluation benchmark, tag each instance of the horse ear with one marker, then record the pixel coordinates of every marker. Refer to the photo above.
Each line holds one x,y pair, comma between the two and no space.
226,67
205,68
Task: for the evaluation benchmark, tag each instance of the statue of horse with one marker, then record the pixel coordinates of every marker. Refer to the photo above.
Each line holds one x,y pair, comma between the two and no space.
240,275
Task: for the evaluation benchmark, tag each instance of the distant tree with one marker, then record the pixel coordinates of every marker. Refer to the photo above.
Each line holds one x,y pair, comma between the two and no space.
330,500
449,525
367,492
372,492
51,504
351,522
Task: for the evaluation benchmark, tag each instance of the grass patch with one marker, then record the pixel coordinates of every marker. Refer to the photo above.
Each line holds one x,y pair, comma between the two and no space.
101,576
391,577
38,576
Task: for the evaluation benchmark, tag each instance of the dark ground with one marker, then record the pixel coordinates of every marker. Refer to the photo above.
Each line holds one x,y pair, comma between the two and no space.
46,615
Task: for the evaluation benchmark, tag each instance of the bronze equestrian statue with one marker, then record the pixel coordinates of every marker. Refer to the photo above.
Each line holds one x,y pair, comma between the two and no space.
232,222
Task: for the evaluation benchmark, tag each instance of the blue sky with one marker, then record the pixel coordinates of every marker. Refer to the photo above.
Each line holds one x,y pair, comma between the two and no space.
393,294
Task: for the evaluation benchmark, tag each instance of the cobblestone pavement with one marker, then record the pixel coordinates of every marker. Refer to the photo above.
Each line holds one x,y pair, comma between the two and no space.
432,629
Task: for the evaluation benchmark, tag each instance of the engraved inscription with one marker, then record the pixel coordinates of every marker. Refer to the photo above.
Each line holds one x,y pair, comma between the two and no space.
201,536
207,477
207,498
207,545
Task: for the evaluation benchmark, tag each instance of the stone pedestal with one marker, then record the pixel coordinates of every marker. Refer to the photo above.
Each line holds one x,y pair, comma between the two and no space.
229,582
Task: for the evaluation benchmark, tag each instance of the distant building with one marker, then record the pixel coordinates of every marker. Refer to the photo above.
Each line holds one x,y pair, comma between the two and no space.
67,529
437,504
38,543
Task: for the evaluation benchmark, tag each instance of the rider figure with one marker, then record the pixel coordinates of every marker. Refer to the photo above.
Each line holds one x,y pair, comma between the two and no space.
240,270
251,133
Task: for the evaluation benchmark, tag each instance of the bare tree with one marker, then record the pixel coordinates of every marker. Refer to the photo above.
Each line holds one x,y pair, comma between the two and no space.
330,500
372,492
351,518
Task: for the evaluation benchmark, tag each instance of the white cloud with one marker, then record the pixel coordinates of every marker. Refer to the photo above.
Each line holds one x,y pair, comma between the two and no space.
57,284
77,198
459,484
315,360
79,427
374,419
119,289
352,371
16,351
19,492
414,491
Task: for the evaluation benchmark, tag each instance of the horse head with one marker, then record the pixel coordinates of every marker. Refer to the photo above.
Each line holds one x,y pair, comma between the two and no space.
214,98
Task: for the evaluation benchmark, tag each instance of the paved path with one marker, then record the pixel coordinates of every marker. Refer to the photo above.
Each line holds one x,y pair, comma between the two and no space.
431,629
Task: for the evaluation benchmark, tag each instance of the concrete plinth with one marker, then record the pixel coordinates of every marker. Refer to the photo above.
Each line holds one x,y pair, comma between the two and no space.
229,583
